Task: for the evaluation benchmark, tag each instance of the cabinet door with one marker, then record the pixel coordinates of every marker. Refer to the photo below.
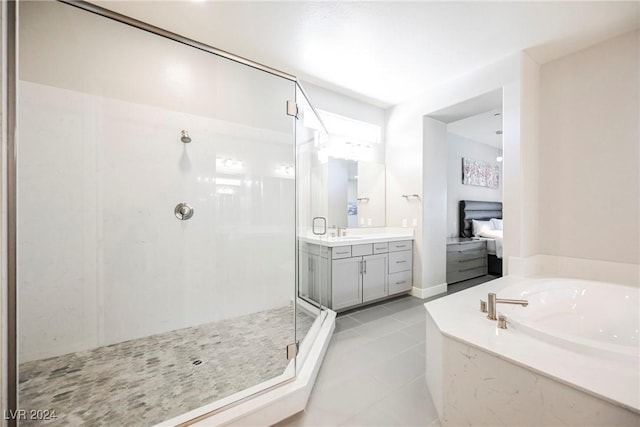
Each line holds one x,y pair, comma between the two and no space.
319,289
374,277
346,283
305,274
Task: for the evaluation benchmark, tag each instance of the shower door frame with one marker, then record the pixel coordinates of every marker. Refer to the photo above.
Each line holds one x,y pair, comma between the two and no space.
10,84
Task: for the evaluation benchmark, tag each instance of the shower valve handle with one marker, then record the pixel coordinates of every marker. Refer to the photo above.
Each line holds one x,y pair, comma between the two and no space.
183,211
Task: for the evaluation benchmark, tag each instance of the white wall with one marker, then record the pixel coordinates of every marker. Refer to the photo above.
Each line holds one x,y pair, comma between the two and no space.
570,157
101,256
434,202
459,147
410,147
404,154
371,185
589,153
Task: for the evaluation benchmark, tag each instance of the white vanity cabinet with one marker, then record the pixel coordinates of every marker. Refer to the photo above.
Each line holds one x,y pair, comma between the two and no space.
369,272
355,275
314,272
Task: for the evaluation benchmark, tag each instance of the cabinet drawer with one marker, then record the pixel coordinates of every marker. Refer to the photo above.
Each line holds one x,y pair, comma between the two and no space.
381,248
400,282
400,261
341,252
403,245
458,276
314,249
466,265
465,247
467,255
360,250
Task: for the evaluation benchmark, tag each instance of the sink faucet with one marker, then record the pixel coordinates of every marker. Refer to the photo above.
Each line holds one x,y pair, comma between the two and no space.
493,301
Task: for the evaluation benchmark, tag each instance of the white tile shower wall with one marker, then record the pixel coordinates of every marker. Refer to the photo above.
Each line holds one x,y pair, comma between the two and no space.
103,259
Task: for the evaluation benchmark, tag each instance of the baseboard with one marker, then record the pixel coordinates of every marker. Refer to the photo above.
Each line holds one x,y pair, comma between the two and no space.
423,293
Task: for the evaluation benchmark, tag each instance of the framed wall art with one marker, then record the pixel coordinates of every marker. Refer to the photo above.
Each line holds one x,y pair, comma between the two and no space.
479,173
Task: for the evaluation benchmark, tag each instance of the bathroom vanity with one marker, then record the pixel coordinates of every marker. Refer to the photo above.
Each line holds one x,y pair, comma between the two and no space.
346,272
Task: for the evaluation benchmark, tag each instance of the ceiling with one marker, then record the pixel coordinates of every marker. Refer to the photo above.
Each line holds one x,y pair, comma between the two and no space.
470,107
385,52
476,119
480,128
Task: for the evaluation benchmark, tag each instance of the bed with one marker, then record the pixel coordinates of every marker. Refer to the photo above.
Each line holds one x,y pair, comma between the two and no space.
470,210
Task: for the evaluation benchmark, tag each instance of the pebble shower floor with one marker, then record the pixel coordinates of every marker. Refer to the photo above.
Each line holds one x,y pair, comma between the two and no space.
148,380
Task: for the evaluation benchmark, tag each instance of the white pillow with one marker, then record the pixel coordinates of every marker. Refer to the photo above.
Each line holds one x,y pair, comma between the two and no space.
496,223
479,225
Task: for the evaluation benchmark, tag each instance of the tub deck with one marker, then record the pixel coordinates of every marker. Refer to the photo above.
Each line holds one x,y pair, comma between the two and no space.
458,317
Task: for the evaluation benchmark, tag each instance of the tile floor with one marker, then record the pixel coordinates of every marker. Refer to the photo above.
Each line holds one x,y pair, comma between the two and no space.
373,372
154,378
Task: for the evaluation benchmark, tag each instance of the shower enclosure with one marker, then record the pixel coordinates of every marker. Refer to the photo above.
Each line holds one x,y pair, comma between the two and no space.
160,189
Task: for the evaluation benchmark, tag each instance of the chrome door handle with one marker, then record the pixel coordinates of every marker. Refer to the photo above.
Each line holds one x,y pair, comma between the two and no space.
365,267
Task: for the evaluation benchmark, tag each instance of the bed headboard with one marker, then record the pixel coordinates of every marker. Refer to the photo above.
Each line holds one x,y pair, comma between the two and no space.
471,209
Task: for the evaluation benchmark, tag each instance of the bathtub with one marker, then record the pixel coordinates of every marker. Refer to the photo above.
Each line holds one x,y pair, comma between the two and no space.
571,357
595,317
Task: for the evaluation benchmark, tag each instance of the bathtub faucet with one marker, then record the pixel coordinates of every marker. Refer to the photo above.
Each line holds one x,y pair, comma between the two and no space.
493,301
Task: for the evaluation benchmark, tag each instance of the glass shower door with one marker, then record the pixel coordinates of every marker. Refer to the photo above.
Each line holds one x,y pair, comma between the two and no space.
312,250
156,223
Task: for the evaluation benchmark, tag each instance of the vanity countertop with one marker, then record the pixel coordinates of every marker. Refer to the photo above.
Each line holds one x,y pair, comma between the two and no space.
361,236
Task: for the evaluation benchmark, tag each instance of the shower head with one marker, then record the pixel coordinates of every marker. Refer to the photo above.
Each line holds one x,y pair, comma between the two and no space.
184,137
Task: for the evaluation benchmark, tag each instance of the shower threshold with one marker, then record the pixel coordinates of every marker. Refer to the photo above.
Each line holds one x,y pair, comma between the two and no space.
149,380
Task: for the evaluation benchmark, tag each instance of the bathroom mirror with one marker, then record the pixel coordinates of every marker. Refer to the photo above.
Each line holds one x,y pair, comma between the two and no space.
356,193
